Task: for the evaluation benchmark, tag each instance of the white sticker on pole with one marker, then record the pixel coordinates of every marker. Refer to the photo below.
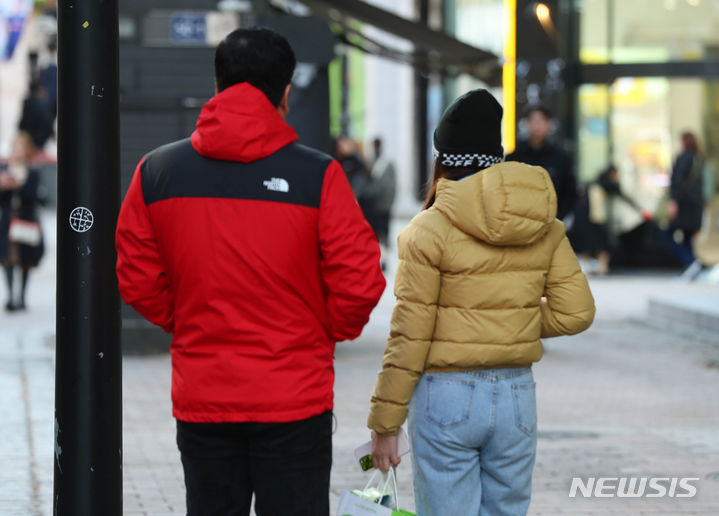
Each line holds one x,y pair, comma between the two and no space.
81,219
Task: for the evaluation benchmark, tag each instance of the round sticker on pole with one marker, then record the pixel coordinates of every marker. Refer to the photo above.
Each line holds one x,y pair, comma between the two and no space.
81,219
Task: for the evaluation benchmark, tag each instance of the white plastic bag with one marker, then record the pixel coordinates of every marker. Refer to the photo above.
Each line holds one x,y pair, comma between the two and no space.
374,500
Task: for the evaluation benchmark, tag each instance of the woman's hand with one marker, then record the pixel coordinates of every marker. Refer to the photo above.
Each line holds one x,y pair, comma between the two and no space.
384,451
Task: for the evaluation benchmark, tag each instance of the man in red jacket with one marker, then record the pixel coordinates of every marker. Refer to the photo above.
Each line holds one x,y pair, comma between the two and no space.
252,251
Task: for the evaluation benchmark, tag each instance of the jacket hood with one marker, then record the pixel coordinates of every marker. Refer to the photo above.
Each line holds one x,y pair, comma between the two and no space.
240,124
508,204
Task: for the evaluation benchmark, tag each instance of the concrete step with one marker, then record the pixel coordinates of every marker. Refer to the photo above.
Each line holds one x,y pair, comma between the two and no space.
695,313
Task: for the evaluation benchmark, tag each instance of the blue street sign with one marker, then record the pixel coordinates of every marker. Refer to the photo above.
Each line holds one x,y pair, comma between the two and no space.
188,28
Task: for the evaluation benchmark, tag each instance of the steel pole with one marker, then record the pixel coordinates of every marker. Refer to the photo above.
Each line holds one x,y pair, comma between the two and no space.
421,88
88,377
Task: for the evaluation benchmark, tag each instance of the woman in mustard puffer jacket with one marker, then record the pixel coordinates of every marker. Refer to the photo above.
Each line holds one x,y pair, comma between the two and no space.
485,271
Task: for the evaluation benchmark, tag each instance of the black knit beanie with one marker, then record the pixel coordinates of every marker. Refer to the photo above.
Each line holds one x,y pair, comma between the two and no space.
469,134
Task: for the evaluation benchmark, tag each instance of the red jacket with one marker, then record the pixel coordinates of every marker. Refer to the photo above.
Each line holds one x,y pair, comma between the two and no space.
252,251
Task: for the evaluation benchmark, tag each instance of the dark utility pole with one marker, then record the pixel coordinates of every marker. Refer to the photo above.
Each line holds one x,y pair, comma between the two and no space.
88,388
421,88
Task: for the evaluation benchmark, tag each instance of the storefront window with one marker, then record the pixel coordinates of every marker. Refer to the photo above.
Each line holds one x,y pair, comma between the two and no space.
643,114
593,32
593,131
477,23
635,123
648,30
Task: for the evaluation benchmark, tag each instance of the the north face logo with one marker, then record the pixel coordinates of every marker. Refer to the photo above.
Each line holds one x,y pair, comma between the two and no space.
277,184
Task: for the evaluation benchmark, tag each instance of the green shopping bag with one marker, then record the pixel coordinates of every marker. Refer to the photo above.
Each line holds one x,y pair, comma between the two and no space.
374,500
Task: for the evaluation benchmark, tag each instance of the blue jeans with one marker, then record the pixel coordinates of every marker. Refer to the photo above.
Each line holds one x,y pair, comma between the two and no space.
474,439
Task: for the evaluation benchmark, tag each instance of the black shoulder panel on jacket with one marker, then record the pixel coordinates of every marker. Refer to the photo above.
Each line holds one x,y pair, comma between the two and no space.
293,175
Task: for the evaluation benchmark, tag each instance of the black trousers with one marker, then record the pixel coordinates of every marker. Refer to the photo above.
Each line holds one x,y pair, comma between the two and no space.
285,465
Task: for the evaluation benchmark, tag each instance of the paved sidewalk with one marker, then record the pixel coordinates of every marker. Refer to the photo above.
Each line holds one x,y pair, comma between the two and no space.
622,399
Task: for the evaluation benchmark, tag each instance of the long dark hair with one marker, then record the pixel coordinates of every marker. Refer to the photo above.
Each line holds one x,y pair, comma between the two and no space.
441,171
605,180
689,142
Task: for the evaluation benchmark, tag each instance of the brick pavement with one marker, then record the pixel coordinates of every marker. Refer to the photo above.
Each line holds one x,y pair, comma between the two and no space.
621,399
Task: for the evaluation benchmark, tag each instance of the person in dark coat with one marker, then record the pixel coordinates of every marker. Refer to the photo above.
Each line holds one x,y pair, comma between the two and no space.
37,116
48,78
589,234
380,192
686,204
20,196
538,150
7,186
348,155
377,197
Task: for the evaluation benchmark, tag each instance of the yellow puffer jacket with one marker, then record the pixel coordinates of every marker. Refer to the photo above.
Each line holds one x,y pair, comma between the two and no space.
483,275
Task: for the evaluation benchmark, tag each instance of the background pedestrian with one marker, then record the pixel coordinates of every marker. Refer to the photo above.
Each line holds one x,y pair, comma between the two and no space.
589,233
378,196
539,150
22,244
686,204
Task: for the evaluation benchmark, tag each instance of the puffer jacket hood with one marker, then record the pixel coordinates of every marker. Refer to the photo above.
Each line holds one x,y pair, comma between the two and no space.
508,204
240,124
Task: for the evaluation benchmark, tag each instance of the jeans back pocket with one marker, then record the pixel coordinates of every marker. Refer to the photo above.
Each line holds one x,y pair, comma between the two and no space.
525,406
449,399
